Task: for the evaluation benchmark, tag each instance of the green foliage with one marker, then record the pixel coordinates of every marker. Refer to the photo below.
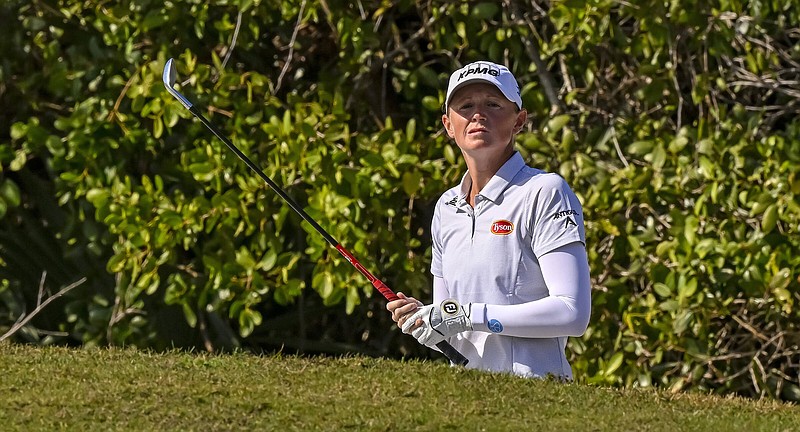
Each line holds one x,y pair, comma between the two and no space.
674,122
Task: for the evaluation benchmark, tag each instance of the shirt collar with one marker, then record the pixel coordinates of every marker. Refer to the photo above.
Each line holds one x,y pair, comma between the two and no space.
499,182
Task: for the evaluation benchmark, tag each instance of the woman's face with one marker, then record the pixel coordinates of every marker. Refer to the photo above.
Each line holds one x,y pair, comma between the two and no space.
479,118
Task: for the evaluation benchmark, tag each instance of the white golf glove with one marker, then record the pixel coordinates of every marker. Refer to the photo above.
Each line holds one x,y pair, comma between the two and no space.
438,322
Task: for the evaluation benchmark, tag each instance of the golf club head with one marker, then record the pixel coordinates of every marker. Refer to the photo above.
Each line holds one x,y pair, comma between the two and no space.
170,76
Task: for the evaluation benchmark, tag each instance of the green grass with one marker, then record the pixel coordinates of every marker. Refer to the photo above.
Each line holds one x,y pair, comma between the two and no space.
124,389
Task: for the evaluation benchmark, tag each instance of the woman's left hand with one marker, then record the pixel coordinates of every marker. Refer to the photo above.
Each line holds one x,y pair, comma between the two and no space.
402,308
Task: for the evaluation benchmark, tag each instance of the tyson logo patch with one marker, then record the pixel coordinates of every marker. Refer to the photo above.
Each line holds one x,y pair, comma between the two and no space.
502,227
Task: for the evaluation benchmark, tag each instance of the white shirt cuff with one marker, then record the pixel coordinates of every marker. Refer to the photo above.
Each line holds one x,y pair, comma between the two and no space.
477,314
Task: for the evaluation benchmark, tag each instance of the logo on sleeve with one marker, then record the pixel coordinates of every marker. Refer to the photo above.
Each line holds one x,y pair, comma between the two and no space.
495,326
567,215
502,227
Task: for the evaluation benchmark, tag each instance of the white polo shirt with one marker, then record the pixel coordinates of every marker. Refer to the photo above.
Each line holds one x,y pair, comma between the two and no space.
489,256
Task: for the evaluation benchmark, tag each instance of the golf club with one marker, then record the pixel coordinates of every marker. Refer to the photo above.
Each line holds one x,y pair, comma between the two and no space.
170,77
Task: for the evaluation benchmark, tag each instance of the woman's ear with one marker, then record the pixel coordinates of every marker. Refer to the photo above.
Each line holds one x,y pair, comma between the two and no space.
447,125
522,117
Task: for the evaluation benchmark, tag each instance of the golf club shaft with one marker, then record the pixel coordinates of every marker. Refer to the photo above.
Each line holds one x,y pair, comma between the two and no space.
451,353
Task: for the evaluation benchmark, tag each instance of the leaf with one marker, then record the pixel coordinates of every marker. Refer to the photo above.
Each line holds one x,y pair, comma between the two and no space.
662,290
431,103
640,147
154,19
669,305
268,260
116,263
707,167
372,160
556,123
158,127
20,158
781,278
449,154
412,182
191,316
10,193
323,284
485,11
245,259
248,320
98,197
690,229
658,157
614,364
687,289
678,144
682,322
352,300
411,129
705,146
171,218
761,205
461,30
770,218
201,168
18,130
782,294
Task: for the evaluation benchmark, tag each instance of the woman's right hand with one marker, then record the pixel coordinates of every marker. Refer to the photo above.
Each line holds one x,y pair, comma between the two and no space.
402,308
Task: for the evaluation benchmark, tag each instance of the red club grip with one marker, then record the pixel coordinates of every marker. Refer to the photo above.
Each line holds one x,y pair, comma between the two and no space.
451,353
377,283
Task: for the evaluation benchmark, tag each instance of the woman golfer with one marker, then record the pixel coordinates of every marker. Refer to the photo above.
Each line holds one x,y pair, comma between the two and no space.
510,272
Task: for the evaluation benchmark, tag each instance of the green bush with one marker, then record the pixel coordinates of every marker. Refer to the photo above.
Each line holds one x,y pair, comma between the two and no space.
673,121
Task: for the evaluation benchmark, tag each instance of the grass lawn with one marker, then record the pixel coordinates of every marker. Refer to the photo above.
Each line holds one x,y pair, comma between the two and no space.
124,389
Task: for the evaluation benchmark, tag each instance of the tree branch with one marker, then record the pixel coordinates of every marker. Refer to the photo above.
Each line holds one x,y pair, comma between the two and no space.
532,47
40,305
291,48
230,48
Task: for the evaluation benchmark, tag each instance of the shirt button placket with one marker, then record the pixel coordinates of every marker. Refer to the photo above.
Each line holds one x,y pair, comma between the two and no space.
478,205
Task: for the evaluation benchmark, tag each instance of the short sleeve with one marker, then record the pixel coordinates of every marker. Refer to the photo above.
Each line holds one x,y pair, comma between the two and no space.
557,217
